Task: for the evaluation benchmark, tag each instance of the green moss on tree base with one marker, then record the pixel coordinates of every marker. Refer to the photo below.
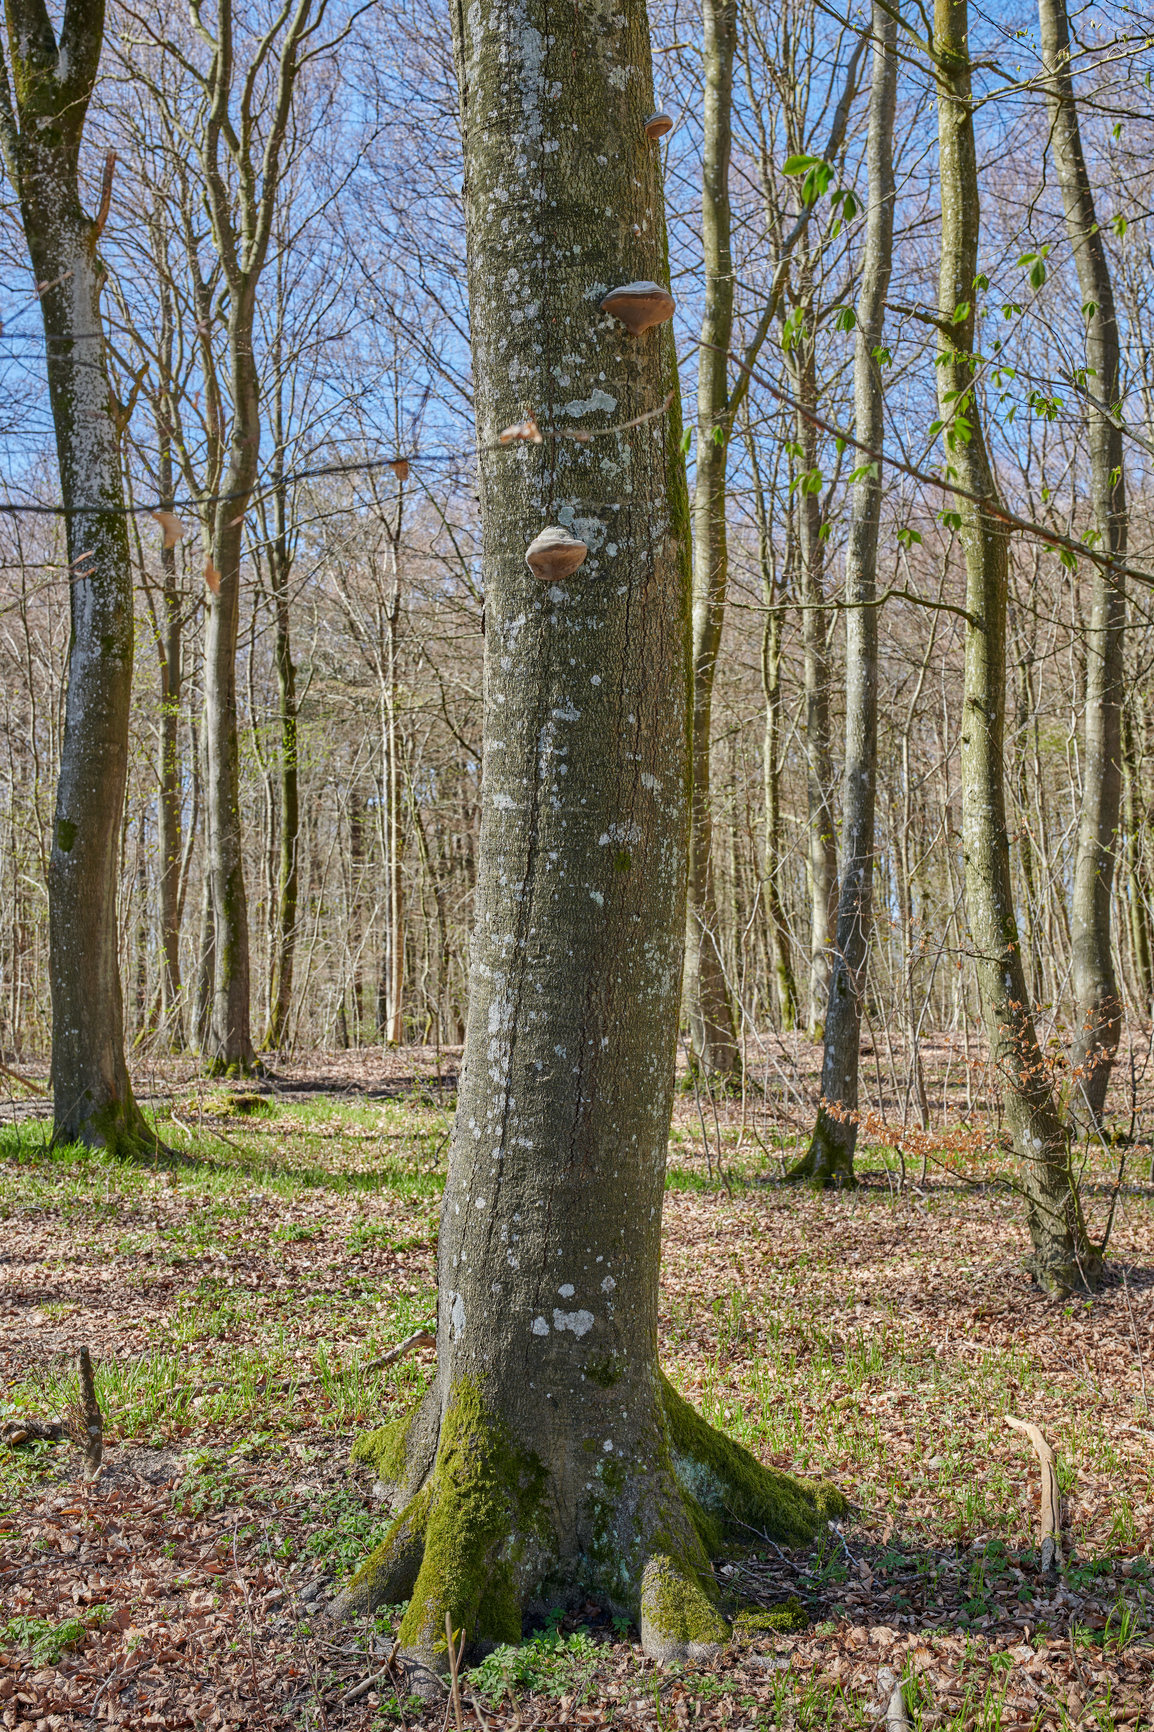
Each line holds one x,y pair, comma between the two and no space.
385,1449
731,1488
485,1494
389,1574
679,1620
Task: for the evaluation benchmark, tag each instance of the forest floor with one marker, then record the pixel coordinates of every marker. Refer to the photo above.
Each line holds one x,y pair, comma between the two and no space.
880,1338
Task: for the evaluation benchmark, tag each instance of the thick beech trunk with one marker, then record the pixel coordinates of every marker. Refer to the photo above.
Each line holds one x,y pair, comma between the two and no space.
1097,1000
829,1158
551,1461
708,1001
41,122
1063,1256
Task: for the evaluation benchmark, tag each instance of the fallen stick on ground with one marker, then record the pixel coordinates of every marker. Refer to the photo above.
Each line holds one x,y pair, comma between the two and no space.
1050,1523
23,1081
421,1338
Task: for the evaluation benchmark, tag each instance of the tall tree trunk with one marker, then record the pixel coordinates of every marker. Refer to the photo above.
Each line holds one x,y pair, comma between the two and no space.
394,961
1063,1256
169,814
42,117
818,754
779,939
1097,1001
288,874
229,1048
708,1001
549,1459
829,1158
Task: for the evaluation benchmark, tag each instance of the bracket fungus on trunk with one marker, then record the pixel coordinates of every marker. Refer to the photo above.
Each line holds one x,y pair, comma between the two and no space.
554,554
639,306
658,125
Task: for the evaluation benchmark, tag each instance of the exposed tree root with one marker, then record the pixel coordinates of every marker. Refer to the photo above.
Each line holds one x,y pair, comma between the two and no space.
487,1534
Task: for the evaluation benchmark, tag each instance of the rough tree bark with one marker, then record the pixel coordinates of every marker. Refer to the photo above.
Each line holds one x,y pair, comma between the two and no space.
1097,999
42,115
708,1002
1063,1256
551,1460
829,1158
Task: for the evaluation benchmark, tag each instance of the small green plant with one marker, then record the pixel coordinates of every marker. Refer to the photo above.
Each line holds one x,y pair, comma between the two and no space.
547,1664
46,1640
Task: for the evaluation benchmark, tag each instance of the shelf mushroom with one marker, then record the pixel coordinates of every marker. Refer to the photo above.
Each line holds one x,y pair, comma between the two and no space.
554,554
658,124
639,305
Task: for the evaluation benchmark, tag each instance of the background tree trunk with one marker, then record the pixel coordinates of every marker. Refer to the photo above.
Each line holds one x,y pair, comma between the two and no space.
169,814
280,565
41,123
1063,1255
830,1154
542,1465
708,1001
1097,1001
818,753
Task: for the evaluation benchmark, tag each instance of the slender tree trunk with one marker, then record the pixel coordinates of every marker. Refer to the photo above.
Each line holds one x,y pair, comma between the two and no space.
779,939
356,908
229,1048
818,754
1136,887
205,963
1097,1002
548,1460
1063,1255
708,1001
393,996
829,1158
169,813
288,875
41,124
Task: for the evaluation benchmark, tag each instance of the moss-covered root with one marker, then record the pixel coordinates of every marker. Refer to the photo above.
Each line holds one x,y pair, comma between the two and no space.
463,1543
733,1493
679,1621
828,1161
389,1573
